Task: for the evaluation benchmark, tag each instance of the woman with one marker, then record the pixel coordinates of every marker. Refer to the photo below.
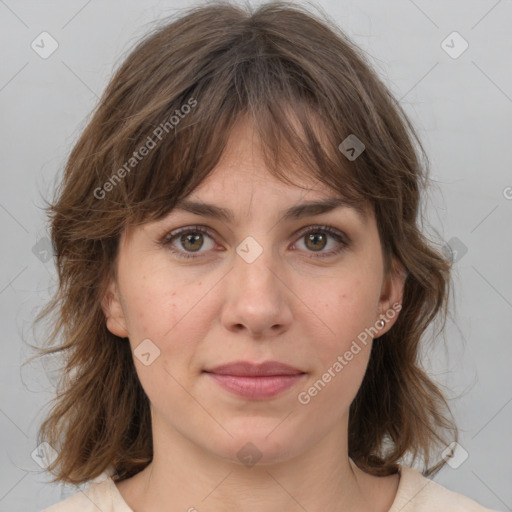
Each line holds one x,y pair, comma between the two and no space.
243,283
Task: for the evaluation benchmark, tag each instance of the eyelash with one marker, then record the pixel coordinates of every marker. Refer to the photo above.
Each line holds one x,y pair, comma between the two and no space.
167,240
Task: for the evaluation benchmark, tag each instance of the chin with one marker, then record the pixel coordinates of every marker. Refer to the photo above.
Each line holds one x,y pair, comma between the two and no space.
262,445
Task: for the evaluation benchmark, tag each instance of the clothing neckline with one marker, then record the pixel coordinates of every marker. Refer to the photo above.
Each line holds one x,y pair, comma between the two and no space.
410,482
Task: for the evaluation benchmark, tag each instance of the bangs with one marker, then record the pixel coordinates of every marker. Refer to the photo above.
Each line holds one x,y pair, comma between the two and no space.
298,135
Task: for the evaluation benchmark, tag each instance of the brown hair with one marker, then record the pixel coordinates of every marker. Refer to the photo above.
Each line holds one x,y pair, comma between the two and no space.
287,69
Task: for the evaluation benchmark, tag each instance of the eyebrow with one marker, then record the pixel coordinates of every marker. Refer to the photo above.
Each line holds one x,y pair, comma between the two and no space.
300,211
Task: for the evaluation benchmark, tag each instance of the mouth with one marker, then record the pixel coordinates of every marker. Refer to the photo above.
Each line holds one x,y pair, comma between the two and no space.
256,381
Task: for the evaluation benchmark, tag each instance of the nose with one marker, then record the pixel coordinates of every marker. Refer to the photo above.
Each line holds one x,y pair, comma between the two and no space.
257,294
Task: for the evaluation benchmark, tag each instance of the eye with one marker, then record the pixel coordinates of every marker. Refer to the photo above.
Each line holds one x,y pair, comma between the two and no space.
315,239
190,238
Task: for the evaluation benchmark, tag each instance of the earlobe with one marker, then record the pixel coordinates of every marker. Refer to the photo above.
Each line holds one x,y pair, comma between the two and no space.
113,310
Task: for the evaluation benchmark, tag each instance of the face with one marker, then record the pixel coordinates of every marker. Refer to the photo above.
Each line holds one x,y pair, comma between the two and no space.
195,291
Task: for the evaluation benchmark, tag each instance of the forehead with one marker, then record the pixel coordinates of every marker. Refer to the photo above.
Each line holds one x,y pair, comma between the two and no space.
241,176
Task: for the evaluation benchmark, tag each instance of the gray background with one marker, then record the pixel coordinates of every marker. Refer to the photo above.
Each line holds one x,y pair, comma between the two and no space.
462,108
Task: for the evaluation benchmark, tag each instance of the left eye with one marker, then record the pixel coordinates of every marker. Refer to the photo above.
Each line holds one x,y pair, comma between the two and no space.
192,240
317,239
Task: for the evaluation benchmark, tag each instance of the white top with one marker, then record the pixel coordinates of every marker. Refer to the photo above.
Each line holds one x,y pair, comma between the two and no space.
415,493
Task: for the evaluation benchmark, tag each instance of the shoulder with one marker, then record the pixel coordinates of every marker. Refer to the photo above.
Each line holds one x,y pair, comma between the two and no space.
97,495
417,493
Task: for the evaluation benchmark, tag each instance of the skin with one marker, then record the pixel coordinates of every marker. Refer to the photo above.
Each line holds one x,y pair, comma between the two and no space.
287,305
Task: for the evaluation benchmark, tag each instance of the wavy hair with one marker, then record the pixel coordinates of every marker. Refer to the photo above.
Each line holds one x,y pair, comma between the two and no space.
306,86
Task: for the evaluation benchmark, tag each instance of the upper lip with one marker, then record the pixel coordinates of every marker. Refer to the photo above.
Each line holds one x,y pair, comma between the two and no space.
248,369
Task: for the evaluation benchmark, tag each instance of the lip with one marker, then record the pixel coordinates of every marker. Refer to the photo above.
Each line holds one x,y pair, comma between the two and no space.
256,381
248,369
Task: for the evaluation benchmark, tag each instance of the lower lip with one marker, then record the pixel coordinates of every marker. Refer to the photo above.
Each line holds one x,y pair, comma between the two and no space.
257,388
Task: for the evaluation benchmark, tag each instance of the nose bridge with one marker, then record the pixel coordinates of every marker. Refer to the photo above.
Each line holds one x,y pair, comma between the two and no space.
254,261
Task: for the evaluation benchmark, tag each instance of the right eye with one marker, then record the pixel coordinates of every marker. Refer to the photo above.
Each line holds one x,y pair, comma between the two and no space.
191,238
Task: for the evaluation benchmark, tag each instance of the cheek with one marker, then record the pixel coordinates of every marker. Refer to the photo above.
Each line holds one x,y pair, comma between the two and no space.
165,307
160,309
151,295
151,308
347,309
343,351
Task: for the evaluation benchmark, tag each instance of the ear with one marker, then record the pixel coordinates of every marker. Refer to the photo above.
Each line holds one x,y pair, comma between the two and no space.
392,292
113,310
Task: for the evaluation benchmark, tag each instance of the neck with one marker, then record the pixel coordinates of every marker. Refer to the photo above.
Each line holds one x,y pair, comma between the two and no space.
182,476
